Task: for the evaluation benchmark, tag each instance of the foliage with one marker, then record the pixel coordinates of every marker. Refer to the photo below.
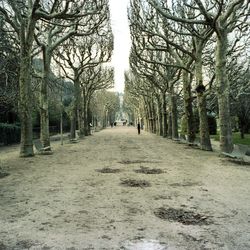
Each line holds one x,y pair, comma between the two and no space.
9,67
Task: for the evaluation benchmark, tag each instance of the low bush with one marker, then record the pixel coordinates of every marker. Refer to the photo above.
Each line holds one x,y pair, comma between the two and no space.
9,133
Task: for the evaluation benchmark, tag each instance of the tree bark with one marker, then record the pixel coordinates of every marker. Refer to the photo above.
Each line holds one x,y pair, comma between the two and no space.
78,105
160,120
169,126
226,143
205,143
153,116
44,101
146,123
89,118
85,117
164,116
25,110
188,107
174,115
73,124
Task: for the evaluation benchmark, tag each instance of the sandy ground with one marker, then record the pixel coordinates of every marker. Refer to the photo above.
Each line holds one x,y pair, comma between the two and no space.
60,201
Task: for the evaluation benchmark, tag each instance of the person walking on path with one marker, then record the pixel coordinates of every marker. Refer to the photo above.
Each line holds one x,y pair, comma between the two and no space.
138,128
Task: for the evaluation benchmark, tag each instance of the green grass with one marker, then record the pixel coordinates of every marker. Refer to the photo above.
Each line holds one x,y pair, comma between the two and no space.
236,138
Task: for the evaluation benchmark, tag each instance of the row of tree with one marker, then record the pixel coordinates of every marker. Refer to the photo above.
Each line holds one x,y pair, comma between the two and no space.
53,42
185,55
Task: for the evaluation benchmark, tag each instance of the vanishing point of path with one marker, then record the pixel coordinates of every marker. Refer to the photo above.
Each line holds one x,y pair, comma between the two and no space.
181,198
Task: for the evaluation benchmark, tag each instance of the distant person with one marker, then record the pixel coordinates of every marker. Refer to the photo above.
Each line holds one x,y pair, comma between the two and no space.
138,128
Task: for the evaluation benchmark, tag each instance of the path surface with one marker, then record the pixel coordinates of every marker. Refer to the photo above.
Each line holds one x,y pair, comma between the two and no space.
61,202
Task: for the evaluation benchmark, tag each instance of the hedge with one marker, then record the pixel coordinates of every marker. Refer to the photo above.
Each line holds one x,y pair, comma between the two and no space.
9,133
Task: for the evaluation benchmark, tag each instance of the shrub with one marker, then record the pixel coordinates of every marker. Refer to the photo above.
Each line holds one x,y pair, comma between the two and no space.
9,133
212,124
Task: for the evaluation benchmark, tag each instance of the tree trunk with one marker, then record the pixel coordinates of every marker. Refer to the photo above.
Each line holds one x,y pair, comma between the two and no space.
80,122
85,117
89,118
44,101
24,105
73,124
188,107
242,132
104,120
25,110
160,120
153,116
147,127
169,125
146,120
174,115
164,116
78,105
226,143
205,142
150,119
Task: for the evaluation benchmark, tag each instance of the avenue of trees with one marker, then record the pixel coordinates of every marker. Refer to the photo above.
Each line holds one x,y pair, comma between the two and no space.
190,64
54,58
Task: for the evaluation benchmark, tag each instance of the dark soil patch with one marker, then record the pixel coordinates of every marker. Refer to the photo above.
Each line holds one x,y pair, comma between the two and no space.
134,211
2,246
135,183
185,184
127,147
108,170
3,174
136,161
182,216
145,170
162,197
24,244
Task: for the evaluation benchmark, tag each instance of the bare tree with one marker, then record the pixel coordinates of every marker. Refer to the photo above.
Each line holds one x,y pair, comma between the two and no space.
23,18
55,33
93,79
80,57
224,17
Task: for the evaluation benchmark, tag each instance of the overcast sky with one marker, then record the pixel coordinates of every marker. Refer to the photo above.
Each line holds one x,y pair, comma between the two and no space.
119,22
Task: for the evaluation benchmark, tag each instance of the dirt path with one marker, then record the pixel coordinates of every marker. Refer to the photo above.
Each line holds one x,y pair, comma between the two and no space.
195,200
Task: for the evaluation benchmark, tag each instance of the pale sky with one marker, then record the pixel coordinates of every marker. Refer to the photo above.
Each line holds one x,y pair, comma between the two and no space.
120,28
